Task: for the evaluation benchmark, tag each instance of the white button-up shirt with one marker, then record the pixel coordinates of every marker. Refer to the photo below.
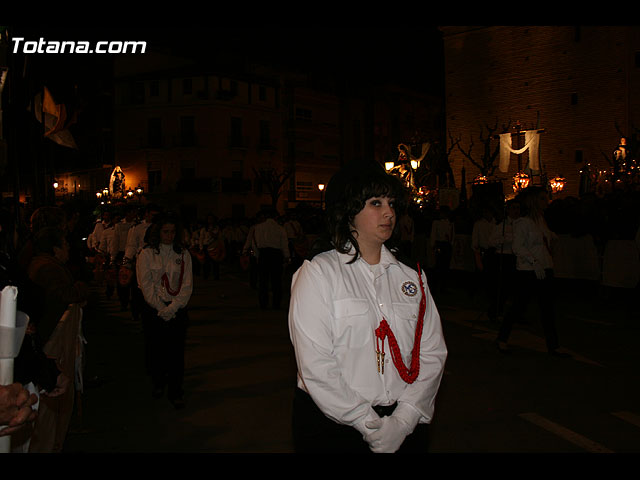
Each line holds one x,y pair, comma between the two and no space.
532,244
152,264
270,234
135,239
335,309
121,232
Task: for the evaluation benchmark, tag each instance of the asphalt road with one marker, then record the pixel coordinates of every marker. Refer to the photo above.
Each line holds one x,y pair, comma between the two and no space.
240,376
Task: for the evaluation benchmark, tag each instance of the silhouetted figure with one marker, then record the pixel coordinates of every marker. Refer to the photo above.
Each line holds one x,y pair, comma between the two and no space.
273,251
441,241
534,269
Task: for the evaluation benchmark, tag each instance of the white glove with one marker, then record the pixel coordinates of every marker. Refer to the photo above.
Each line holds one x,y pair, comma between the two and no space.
539,271
167,313
389,434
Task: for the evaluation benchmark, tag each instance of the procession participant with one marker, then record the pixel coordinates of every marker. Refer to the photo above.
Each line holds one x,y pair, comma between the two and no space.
57,325
94,237
106,247
534,270
503,278
117,254
251,249
365,329
273,251
165,278
211,242
135,243
441,240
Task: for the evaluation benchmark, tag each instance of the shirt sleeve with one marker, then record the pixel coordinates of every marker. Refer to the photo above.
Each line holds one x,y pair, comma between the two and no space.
311,335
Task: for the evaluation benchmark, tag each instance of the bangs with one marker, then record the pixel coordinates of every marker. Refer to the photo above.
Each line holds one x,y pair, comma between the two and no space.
378,185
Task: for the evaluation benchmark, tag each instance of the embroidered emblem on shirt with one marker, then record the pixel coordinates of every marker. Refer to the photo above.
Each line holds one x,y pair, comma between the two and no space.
409,289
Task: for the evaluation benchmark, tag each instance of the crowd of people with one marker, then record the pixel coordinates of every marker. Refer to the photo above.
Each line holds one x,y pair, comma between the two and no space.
146,258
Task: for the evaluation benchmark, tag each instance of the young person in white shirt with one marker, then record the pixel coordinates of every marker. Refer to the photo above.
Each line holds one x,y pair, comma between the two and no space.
366,333
164,274
534,269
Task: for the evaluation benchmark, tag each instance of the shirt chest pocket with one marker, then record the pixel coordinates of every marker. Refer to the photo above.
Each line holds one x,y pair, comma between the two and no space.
405,325
352,322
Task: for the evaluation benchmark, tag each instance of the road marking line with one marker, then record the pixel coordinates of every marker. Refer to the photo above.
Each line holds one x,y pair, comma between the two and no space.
565,433
632,418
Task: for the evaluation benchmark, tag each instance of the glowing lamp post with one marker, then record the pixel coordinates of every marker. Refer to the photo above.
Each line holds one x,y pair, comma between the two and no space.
139,191
321,188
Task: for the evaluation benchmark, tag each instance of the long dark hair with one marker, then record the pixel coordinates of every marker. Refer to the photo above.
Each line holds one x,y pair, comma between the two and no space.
152,236
528,201
347,193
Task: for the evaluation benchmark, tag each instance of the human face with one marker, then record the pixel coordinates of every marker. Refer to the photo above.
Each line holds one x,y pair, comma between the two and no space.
167,233
374,224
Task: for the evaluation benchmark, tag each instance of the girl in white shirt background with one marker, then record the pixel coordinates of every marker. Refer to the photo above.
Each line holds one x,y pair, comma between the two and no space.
534,269
365,329
164,274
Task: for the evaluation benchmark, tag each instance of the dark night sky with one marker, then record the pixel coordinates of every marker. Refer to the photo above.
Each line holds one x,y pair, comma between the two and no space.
409,56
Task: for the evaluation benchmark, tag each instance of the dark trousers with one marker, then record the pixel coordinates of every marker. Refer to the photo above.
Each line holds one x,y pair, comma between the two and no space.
528,287
211,266
124,292
137,299
164,349
501,280
443,252
314,432
270,270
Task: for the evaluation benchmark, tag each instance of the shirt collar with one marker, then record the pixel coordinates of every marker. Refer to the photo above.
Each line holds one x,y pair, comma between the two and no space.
386,257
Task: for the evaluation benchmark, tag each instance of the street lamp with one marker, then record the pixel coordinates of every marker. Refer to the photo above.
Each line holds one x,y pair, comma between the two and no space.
139,191
321,188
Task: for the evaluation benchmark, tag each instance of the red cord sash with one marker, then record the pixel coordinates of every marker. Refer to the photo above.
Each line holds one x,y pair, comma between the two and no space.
165,280
410,374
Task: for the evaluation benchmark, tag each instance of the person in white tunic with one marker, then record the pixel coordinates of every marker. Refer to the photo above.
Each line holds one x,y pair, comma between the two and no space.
164,274
366,332
531,245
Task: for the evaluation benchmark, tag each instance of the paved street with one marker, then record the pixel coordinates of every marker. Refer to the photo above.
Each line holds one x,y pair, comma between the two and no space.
240,377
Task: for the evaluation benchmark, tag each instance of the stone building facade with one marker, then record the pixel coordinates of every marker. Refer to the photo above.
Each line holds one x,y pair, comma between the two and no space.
578,85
